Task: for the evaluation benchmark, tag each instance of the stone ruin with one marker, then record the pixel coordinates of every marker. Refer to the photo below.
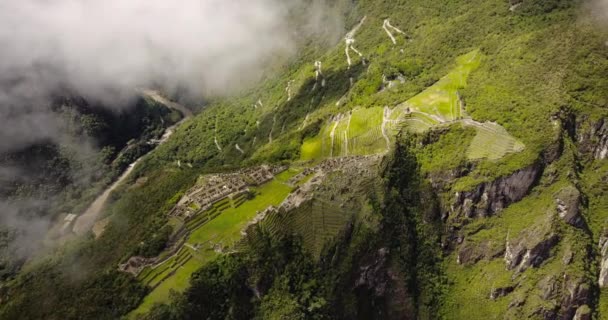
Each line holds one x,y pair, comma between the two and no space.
220,186
136,264
353,164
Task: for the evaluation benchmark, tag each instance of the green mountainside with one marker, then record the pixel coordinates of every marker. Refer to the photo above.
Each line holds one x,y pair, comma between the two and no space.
443,160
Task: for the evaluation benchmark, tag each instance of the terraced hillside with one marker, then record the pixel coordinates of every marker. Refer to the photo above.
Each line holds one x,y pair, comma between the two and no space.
372,130
208,233
443,160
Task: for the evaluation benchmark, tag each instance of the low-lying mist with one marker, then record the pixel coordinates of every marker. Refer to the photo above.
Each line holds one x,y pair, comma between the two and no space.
106,50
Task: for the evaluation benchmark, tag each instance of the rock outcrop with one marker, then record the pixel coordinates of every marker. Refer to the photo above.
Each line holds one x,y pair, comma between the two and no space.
594,140
576,295
530,250
582,313
566,297
501,292
374,275
489,198
568,201
603,278
470,253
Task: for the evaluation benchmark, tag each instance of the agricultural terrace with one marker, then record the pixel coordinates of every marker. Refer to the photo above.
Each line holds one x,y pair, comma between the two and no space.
364,131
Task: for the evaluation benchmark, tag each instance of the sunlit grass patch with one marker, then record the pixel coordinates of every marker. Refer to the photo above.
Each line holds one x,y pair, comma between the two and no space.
492,142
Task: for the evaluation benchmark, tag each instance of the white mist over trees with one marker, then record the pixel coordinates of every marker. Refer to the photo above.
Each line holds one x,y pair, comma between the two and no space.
106,50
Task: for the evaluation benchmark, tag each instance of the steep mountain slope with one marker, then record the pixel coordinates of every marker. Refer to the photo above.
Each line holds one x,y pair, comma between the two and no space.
44,181
444,160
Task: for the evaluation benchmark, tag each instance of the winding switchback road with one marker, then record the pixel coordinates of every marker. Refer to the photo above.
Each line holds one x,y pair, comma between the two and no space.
86,220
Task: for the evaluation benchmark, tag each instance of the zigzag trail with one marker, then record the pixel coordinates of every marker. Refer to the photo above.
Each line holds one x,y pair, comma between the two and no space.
349,39
239,148
386,25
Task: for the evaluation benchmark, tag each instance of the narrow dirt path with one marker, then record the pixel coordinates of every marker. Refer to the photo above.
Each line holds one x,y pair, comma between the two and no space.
288,89
87,219
348,60
349,39
239,148
385,116
217,144
156,96
304,122
332,135
388,32
386,26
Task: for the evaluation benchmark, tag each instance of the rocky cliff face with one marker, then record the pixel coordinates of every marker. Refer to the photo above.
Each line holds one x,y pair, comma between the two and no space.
603,245
594,139
567,203
489,198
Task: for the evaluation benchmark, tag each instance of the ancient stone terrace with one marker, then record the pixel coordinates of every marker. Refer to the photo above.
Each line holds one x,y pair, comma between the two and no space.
216,187
135,264
304,192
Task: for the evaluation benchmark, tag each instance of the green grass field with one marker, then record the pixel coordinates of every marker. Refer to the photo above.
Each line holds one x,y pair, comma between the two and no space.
224,230
357,133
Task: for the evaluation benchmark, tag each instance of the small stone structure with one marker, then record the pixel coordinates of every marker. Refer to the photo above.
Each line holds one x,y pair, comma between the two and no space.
220,186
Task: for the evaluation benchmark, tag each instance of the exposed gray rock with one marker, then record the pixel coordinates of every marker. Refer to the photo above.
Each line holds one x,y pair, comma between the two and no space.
568,256
517,302
392,81
603,278
501,292
489,198
594,140
575,295
600,150
470,252
549,287
374,275
544,313
582,313
530,250
567,202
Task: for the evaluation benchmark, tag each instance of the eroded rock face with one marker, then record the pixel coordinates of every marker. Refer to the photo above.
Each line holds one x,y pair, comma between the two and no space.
382,288
600,150
470,253
545,314
594,140
582,313
501,292
489,198
603,278
575,295
567,203
374,275
530,250
549,287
